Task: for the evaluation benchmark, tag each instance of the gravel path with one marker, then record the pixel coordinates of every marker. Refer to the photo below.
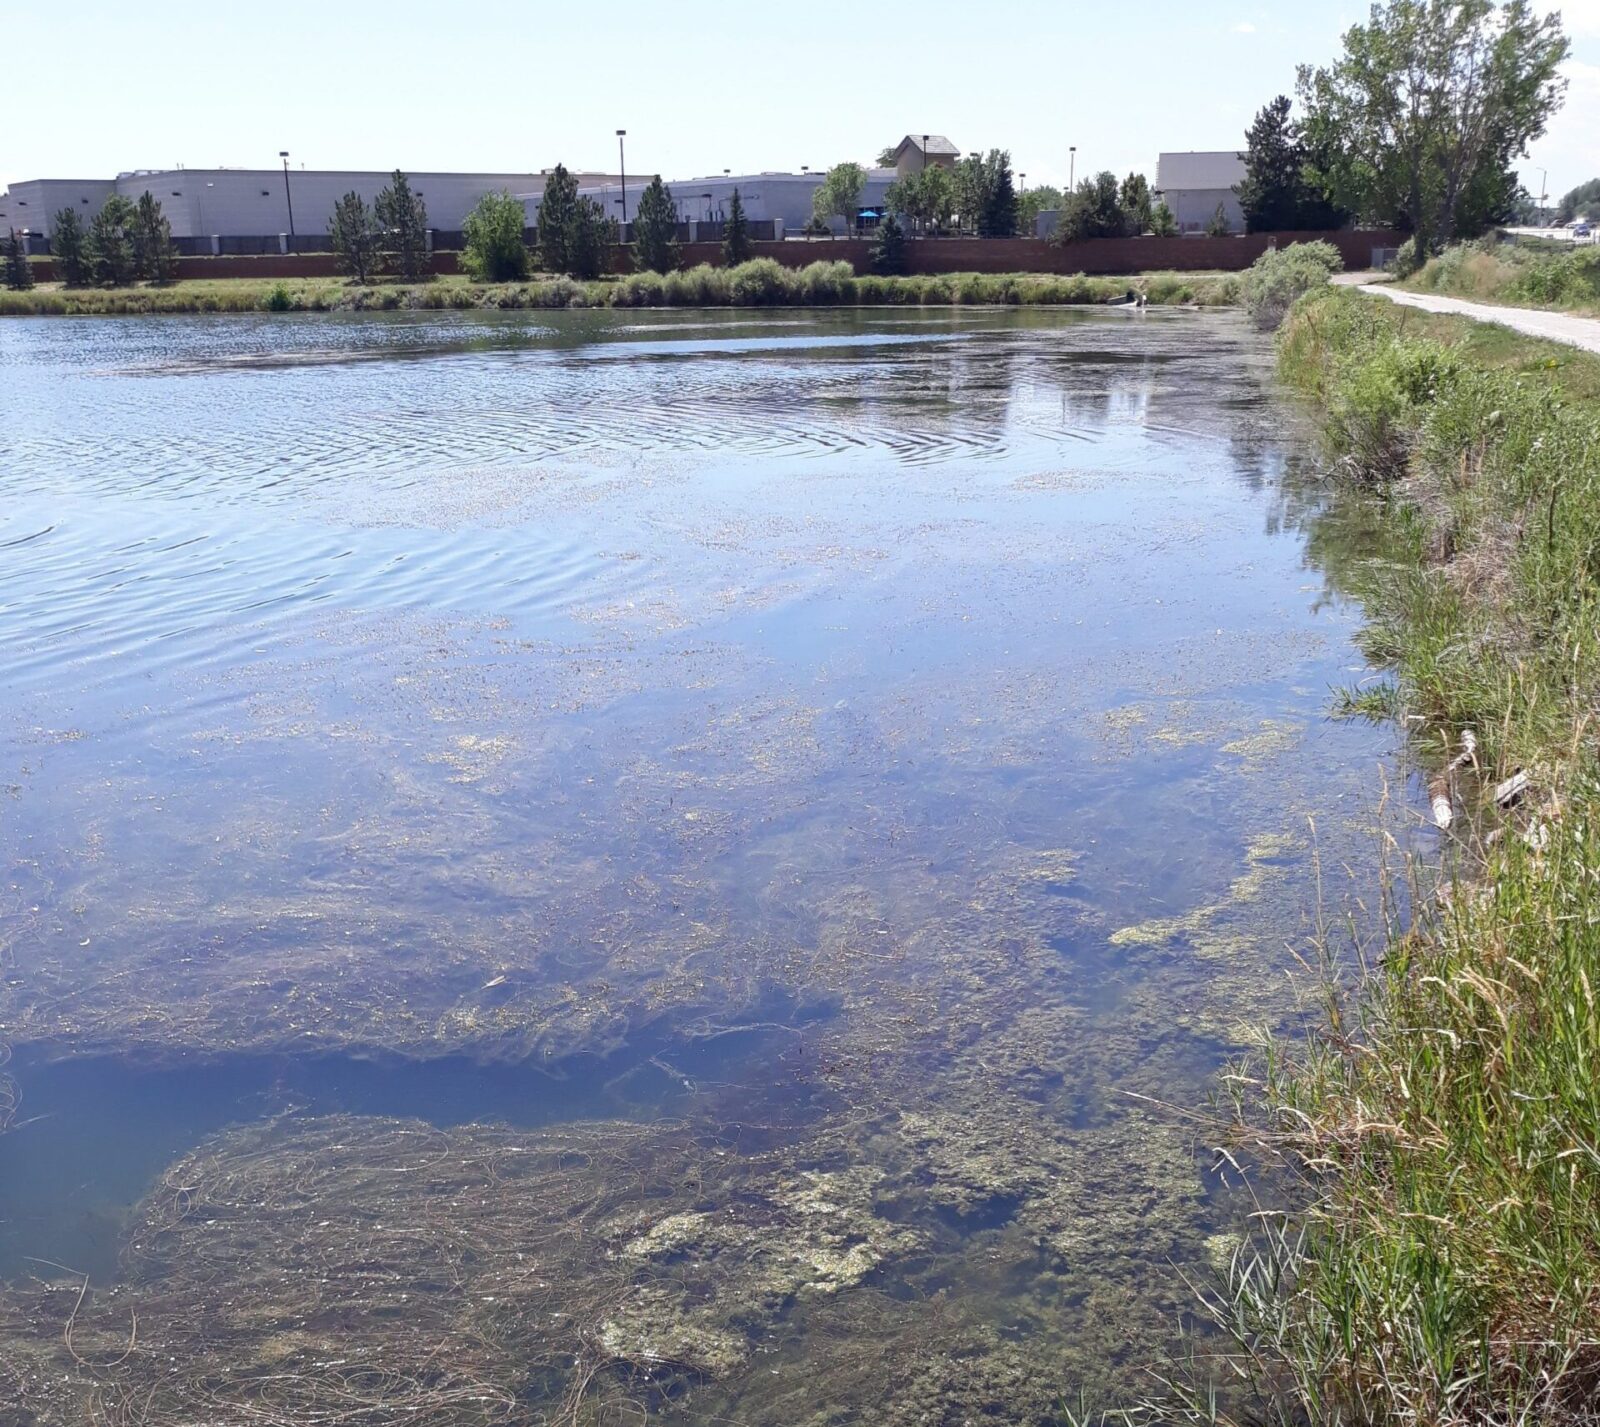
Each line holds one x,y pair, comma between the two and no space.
1553,326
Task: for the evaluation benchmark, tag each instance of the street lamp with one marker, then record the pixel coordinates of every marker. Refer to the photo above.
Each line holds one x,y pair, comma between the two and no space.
622,164
287,197
1544,193
1072,166
924,153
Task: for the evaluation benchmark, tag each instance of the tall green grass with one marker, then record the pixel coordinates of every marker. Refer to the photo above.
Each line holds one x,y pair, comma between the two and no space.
1444,1117
759,283
1488,271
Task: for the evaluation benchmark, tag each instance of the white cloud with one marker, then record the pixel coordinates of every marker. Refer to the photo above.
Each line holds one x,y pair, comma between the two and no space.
1244,27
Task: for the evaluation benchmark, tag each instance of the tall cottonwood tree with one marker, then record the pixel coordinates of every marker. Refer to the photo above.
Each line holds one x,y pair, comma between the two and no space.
1419,120
655,229
839,194
403,217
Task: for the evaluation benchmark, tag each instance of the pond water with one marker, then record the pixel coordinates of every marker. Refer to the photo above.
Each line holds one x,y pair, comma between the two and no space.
585,866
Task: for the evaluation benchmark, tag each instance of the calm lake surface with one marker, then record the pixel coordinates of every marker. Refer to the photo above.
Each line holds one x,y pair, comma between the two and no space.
584,866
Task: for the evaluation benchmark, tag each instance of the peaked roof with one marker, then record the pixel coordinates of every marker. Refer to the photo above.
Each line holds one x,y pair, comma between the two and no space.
937,144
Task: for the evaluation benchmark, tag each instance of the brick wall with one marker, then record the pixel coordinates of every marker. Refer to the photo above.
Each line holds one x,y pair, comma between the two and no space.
1100,256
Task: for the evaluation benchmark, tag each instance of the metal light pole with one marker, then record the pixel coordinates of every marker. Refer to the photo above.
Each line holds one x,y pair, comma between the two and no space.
287,197
1072,167
622,165
1544,193
924,153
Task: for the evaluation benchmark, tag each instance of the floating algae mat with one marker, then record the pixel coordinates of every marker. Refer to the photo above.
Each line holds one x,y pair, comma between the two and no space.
621,867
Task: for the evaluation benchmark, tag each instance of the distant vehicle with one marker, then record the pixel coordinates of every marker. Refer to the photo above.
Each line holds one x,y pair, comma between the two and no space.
1581,230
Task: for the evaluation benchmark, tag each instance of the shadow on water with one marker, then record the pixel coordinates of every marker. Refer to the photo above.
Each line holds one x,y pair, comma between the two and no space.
95,1132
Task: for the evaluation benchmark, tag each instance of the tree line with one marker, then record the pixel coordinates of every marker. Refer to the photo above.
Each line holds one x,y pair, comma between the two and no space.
125,242
388,235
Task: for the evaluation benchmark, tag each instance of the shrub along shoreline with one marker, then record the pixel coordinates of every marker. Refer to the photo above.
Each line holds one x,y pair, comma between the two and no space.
759,283
1563,280
1445,1118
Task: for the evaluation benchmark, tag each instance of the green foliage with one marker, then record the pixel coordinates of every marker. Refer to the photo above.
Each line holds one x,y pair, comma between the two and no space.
1580,202
153,258
736,245
591,241
1489,271
109,246
356,237
1280,191
558,210
69,248
18,271
1447,1268
889,248
997,201
761,282
655,229
403,218
1217,226
839,194
1034,201
927,197
1093,211
278,298
493,249
1135,200
1281,276
1417,124
1163,222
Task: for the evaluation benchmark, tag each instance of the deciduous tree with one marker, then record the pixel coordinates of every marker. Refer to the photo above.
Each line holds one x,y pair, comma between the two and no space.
1034,201
1163,222
403,218
357,237
69,248
655,229
493,250
1580,202
1094,210
736,245
1134,196
1418,122
839,194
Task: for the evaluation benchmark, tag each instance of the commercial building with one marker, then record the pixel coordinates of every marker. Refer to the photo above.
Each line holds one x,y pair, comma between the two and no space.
916,152
1193,184
784,199
240,202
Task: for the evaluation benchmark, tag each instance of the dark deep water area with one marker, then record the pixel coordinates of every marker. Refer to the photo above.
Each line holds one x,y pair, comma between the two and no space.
582,866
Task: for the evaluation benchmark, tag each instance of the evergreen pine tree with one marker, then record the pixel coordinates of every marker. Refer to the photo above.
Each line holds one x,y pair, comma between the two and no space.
19,273
1135,199
556,215
403,218
655,229
153,258
736,245
1218,227
109,246
1273,159
591,241
356,237
1163,223
68,248
888,255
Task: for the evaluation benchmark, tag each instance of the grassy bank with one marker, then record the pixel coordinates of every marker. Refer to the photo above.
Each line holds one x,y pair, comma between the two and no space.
1565,279
1446,1121
762,283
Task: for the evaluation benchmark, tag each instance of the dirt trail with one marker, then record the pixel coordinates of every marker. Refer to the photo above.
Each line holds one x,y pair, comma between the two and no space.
1553,326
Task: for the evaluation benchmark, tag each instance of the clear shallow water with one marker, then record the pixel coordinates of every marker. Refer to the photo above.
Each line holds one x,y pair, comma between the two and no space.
892,735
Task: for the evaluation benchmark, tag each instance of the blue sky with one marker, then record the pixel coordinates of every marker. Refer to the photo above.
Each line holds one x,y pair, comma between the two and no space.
497,85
